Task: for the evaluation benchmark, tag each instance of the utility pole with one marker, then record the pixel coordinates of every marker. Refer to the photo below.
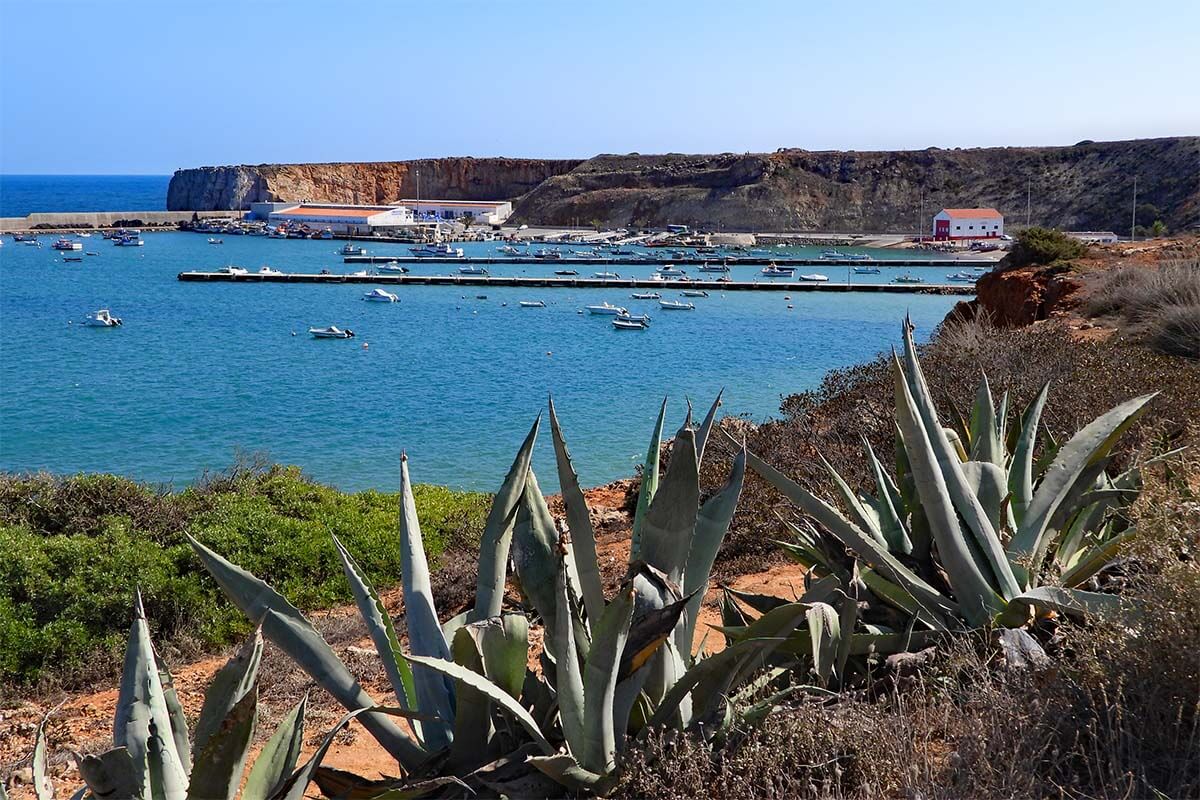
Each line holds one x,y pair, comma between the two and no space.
1028,199
1133,220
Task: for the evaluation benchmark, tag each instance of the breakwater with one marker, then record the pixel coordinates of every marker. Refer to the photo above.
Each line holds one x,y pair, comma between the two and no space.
750,261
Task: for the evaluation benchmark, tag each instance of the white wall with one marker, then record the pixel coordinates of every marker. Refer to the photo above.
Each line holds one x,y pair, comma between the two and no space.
972,227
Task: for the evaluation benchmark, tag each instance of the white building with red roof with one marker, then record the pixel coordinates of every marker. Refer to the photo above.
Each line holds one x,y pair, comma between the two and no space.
968,223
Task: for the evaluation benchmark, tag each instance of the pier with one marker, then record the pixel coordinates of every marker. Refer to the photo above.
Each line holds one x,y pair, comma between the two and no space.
573,282
657,261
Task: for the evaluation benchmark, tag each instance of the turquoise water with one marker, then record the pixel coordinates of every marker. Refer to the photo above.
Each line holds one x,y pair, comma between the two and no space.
199,371
21,195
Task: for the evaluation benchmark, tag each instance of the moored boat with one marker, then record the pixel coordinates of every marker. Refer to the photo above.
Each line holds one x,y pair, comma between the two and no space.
814,277
907,278
265,270
773,271
392,266
439,250
215,241
675,305
565,272
232,270
629,325
67,244
706,267
607,308
331,332
531,303
381,296
669,269
646,296
102,319
694,293
350,250
605,275
472,270
866,270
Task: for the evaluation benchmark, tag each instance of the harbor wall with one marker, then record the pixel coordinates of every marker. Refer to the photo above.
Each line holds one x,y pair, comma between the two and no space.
107,219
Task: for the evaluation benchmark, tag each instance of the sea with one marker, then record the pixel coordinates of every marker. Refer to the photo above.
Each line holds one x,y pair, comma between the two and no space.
21,195
453,376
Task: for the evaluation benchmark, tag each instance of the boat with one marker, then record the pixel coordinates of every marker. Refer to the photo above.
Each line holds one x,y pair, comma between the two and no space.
532,303
642,318
381,296
472,270
669,269
92,253
815,277
706,267
265,270
607,308
83,235
866,270
129,241
859,257
439,250
962,277
325,234
832,255
565,272
392,266
332,332
31,242
605,275
215,241
350,250
547,254
362,273
102,319
232,270
629,325
24,237
72,258
773,271
694,293
675,305
509,250
646,296
907,278
67,244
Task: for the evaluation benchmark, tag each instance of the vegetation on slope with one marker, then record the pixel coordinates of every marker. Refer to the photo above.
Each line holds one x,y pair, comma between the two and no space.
1159,306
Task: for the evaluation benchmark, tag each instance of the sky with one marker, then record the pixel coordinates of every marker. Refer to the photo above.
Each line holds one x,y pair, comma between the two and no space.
133,87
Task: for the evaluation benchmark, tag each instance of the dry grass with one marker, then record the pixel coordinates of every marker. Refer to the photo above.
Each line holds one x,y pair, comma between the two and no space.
1159,306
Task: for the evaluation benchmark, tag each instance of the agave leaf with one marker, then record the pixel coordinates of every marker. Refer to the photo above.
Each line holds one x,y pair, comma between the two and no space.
1073,602
111,775
826,639
1002,429
600,680
712,524
858,514
888,643
1090,445
503,643
233,681
472,711
1096,558
579,521
897,596
569,671
383,634
702,433
649,485
434,694
493,692
986,442
847,619
647,633
989,483
670,521
278,757
348,786
42,788
220,763
565,770
975,595
762,603
179,725
142,723
1020,475
292,633
986,540
535,558
889,504
497,532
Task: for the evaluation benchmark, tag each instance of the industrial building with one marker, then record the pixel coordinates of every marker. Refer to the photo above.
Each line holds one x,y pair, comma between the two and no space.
343,219
484,212
968,223
1093,237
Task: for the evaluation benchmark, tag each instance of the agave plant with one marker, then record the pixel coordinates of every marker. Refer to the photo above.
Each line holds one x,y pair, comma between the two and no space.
152,756
972,531
610,666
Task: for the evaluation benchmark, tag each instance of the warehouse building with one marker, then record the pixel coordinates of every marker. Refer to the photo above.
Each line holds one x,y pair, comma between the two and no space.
1094,237
968,223
484,212
344,219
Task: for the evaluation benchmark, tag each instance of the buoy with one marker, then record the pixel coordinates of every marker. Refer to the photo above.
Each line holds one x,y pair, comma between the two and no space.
293,333
366,346
790,308
549,352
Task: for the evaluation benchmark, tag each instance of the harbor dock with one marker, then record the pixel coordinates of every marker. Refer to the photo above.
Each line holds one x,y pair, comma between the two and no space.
748,261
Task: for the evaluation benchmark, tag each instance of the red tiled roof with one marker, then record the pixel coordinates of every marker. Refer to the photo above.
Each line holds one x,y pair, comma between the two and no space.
972,213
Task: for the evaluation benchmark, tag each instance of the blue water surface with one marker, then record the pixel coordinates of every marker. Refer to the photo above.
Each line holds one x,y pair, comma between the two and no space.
201,370
21,195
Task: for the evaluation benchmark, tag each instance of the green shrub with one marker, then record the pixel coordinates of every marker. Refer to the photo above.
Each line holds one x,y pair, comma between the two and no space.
1043,247
73,547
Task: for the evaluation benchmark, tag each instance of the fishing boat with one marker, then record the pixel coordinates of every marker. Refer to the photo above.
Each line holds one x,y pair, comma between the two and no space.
129,241
773,271
859,257
102,319
547,254
350,250
907,278
605,275
815,277
646,296
24,237
381,296
565,272
675,305
962,277
833,255
232,270
607,308
439,250
31,242
532,303
693,293
215,241
472,270
509,250
392,266
67,244
629,325
265,270
866,270
331,332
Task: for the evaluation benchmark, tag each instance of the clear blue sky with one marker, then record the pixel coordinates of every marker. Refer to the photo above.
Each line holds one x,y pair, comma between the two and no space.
104,86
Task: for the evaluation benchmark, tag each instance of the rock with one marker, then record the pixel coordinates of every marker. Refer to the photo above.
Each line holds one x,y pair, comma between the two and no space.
1021,651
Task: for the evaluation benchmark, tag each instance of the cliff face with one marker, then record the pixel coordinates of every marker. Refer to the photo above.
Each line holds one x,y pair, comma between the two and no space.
236,187
1086,186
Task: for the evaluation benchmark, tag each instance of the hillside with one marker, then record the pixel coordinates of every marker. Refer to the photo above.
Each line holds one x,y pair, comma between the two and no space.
1085,186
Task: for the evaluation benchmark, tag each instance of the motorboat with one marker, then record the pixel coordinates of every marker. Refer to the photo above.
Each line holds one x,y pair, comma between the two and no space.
439,250
232,270
629,325
833,255
859,257
102,319
31,242
548,254
509,250
532,303
706,267
25,237
962,277
362,273
381,296
331,332
215,241
814,277
325,234
350,250
472,270
773,271
83,235
669,269
675,305
72,258
607,308
269,271
642,318
67,244
646,296
129,241
392,267
866,270
565,272
605,275
907,278
694,293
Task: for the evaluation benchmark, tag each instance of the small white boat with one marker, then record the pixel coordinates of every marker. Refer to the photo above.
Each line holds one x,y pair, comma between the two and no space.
706,267
814,277
669,269
907,278
67,244
362,273
629,325
605,275
350,250
772,271
566,272
268,271
232,270
215,241
643,318
866,270
440,250
509,250
392,267
472,270
102,319
548,254
381,296
83,235
607,308
332,332
646,296
532,303
325,234
129,241
675,305
962,277
694,293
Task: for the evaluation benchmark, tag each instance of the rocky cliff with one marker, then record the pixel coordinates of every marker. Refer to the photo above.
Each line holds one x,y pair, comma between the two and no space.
236,187
1085,186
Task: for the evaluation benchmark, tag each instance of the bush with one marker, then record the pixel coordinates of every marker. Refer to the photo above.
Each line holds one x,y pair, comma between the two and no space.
1043,247
75,546
1159,305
